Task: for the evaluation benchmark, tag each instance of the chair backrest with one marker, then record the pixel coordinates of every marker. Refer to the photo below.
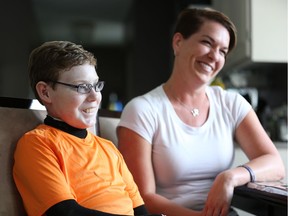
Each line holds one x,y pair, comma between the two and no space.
14,122
18,116
107,123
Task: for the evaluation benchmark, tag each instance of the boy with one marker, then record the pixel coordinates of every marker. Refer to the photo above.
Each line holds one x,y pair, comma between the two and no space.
61,168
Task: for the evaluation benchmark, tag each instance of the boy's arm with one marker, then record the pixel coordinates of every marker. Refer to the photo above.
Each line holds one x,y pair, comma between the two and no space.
72,208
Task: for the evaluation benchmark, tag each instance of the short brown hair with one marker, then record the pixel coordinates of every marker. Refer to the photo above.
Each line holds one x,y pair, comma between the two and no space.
47,61
190,21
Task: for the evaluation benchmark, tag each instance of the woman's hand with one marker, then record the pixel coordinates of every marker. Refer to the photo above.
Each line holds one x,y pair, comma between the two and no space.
220,196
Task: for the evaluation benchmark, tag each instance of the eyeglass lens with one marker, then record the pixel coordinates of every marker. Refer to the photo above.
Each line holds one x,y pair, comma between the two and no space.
86,88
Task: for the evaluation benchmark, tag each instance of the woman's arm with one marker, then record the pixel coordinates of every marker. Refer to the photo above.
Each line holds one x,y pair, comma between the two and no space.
264,161
137,153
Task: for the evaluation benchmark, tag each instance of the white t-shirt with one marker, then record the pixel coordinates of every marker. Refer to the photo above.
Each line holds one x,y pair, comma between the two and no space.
187,159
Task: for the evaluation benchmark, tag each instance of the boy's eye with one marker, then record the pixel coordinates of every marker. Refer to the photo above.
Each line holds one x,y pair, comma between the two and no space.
84,86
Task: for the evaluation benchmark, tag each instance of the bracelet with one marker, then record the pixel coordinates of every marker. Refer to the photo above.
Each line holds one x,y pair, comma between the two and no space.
252,175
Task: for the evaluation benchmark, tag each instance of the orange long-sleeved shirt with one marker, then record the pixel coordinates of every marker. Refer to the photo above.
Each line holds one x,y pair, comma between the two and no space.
52,166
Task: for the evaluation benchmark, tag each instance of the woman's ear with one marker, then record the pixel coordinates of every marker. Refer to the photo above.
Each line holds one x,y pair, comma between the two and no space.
177,39
42,89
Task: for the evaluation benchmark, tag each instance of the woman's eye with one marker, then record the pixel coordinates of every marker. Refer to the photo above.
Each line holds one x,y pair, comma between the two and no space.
224,53
206,42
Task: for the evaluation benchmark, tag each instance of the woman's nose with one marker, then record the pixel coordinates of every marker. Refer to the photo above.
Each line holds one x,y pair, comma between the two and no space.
214,54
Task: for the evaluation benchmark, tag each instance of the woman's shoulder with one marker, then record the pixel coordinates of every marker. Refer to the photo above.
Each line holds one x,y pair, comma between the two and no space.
229,100
218,93
144,109
226,97
217,90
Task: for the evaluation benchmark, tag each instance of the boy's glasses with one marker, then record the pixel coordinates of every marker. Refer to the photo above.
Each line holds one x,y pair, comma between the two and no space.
84,88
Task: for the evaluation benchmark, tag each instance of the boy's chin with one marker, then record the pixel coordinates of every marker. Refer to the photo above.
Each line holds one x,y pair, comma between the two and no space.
89,125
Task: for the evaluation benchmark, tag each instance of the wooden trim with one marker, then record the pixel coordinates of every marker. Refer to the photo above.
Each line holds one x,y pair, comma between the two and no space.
109,113
15,102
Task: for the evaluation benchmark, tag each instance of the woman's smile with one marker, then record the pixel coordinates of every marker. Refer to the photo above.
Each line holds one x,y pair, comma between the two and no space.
205,67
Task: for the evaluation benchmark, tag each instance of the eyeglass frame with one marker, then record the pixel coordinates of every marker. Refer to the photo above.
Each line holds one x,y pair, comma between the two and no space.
84,86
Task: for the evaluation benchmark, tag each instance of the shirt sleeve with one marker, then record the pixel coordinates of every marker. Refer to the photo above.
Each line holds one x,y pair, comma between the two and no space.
138,116
238,106
72,208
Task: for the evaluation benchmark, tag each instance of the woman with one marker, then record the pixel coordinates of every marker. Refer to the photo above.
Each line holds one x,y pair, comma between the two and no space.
177,139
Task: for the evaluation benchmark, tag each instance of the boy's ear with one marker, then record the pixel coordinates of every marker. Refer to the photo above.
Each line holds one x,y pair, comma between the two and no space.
43,91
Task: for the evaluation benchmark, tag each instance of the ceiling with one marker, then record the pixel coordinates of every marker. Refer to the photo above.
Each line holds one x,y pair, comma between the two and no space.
86,21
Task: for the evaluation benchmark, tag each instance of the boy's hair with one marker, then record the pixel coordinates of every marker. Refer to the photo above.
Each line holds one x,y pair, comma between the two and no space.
47,61
190,21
